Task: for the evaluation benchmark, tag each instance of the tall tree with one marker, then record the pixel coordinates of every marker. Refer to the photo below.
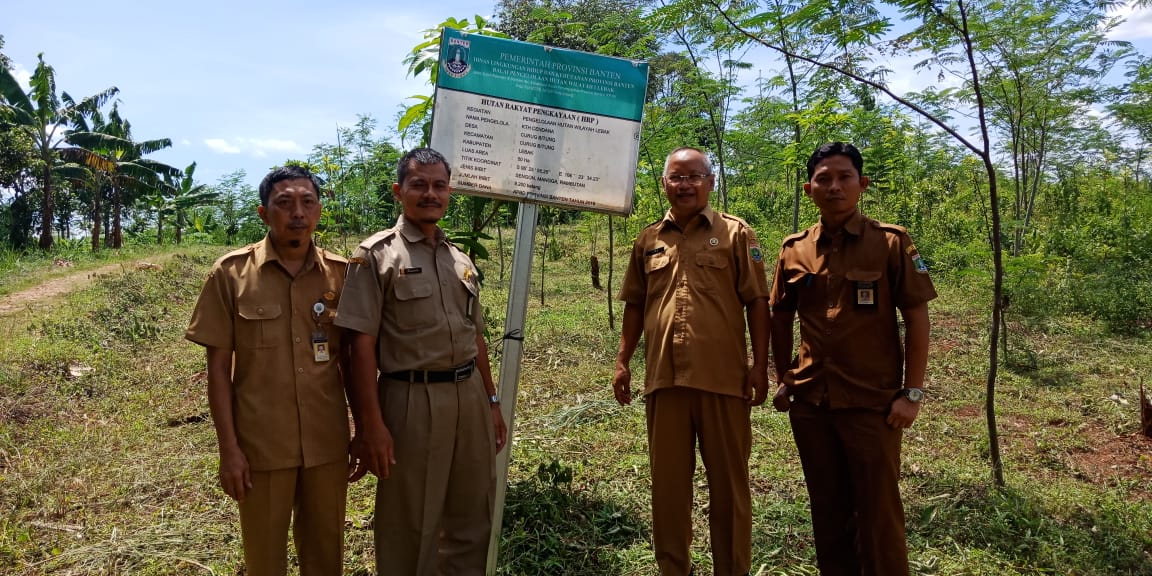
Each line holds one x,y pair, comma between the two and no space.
106,145
41,116
938,29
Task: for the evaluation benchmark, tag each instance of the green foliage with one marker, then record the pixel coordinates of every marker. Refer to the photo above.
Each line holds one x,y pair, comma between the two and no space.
553,525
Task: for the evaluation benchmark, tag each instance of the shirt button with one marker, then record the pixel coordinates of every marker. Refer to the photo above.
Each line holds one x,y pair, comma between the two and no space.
259,310
298,338
299,370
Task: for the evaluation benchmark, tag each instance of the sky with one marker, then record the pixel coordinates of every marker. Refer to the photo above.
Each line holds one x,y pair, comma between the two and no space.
248,84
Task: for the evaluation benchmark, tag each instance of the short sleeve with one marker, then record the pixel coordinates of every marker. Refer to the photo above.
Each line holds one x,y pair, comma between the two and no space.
634,288
753,281
779,296
913,285
214,314
361,303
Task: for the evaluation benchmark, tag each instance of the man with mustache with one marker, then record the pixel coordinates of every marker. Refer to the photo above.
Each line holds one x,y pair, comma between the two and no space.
430,425
275,382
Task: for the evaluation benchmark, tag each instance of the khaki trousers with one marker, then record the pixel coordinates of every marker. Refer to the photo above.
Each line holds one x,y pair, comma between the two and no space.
851,461
677,419
434,511
313,499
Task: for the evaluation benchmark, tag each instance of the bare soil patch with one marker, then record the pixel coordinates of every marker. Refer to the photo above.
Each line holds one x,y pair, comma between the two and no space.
50,289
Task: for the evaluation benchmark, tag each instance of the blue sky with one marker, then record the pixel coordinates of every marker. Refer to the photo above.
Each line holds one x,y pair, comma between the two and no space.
241,84
248,84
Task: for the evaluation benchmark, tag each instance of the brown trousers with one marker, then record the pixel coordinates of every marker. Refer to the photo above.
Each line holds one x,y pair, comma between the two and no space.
313,499
851,461
677,419
434,511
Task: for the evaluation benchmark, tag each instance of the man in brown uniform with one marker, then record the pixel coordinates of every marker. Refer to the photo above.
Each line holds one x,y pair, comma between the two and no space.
852,390
431,424
274,382
692,278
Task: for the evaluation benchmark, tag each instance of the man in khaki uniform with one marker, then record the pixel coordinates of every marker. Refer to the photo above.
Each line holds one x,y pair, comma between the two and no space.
275,389
431,423
692,279
853,388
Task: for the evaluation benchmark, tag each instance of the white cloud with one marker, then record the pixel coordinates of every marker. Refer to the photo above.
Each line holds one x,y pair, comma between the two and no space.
256,147
1137,24
221,146
22,75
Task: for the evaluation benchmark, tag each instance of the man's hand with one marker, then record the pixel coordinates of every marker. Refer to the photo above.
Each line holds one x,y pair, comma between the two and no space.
374,449
757,387
356,466
622,384
500,427
235,476
780,400
903,413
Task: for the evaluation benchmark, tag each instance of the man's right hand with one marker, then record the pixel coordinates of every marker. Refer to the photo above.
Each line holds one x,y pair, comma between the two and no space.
622,384
780,400
235,476
373,448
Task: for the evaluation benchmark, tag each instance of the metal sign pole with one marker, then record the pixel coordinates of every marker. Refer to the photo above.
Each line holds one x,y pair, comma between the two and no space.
510,359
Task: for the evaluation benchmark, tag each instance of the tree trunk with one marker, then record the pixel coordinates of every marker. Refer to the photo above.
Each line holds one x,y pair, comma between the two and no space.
117,236
96,220
46,206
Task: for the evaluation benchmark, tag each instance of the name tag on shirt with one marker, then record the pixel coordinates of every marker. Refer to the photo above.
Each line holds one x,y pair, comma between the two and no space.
865,293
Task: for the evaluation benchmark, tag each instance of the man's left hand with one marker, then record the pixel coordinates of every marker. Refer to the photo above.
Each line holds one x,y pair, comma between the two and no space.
757,391
501,429
903,413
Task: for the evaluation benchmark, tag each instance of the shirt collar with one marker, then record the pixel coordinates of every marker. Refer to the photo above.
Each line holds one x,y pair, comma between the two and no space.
854,227
412,233
708,214
265,252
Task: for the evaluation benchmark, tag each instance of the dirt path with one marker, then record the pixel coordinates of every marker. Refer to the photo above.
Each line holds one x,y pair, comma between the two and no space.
50,289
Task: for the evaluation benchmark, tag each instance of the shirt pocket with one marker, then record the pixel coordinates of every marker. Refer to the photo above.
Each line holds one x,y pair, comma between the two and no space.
259,325
713,268
863,287
808,291
415,307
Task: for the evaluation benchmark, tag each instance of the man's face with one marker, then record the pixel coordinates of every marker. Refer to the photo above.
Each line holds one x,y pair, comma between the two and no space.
292,212
424,193
687,196
836,187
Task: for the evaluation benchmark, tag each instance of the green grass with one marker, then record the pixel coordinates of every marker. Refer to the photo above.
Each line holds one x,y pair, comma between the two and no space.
21,270
108,459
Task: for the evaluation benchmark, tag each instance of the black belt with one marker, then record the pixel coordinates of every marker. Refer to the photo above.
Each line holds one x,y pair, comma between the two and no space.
461,372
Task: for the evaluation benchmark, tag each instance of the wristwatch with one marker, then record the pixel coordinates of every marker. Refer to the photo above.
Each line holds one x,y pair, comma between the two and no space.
493,399
913,395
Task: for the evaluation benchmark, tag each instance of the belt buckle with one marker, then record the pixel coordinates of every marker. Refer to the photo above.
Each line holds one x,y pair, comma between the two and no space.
462,372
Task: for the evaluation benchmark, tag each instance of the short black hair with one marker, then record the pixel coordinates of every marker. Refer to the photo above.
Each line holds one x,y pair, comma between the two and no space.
423,157
830,149
283,173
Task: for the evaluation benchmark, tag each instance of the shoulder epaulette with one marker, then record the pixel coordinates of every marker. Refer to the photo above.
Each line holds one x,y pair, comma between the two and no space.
377,238
734,218
797,236
246,250
654,223
332,256
889,227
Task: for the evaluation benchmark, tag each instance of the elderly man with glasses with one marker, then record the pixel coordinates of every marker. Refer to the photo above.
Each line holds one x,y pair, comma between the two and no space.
692,279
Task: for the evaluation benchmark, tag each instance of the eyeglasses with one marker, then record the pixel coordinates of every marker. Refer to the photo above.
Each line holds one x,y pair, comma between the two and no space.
693,179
